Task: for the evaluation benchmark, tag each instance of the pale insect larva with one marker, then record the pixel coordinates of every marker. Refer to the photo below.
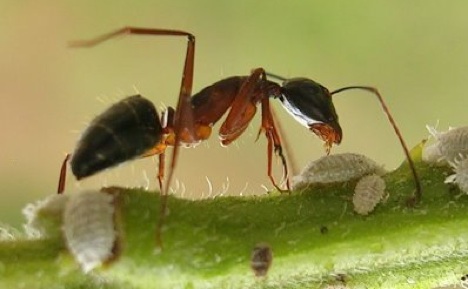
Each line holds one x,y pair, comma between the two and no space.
261,259
448,146
460,167
336,168
368,193
89,228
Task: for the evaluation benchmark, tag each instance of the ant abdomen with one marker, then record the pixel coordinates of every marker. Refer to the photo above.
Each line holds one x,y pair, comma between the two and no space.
126,130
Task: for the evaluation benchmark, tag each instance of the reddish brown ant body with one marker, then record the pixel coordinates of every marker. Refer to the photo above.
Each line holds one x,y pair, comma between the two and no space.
132,128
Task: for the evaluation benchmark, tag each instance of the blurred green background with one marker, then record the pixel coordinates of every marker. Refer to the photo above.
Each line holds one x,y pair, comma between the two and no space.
415,52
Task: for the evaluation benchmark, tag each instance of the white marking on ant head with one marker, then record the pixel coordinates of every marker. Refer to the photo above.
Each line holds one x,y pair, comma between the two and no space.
297,114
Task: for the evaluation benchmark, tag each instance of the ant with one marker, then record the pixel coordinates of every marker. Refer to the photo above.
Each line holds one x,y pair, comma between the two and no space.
132,128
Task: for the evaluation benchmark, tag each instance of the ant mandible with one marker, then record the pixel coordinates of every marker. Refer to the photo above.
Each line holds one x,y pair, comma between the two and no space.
131,128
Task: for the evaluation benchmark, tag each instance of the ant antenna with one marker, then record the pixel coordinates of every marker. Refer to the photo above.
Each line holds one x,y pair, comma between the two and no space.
418,194
275,76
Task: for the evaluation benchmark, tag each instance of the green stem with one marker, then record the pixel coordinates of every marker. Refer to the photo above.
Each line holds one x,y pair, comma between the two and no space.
317,240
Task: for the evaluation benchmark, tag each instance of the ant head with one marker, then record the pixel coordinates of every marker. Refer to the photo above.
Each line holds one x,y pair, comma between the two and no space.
311,105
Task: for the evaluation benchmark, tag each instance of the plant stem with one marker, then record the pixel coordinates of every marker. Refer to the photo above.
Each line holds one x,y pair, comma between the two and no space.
317,241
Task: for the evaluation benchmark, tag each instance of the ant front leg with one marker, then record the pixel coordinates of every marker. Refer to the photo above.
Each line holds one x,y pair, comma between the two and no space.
253,90
274,141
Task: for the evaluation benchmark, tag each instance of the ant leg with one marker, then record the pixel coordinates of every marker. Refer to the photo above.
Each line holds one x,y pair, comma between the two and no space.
183,117
418,194
183,123
167,123
162,162
271,133
129,30
63,175
243,110
184,114
282,135
163,200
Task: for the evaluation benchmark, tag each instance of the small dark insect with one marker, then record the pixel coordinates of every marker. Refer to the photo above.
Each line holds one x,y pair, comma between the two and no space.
323,229
261,259
132,128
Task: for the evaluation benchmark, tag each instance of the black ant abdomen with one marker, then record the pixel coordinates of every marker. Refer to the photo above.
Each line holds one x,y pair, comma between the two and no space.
126,130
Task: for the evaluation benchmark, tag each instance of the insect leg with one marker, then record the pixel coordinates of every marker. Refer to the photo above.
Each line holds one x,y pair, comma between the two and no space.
183,123
242,111
63,175
184,117
274,141
128,30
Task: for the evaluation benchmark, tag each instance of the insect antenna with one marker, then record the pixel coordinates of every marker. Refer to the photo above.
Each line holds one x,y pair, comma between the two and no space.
418,193
276,76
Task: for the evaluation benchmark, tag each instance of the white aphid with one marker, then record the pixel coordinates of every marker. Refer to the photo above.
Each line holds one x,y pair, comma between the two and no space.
336,168
368,193
460,167
89,228
448,146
